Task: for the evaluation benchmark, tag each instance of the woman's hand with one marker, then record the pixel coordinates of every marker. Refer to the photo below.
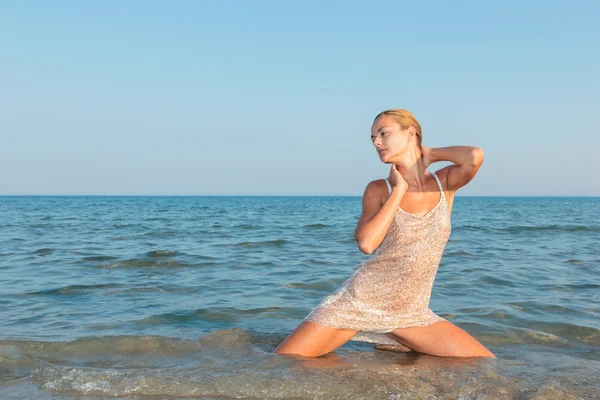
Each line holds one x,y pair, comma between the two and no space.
396,178
427,159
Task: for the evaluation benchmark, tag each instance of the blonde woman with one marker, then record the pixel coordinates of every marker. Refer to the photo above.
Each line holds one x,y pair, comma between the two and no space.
404,226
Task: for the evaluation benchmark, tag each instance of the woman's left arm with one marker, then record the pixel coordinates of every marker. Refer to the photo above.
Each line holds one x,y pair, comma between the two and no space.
466,160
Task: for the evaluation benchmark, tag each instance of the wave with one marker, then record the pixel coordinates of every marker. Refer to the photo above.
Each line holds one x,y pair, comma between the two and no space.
262,243
237,363
525,228
74,289
216,314
316,226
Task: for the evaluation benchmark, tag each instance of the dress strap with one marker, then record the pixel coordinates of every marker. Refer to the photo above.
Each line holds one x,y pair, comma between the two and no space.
439,183
388,185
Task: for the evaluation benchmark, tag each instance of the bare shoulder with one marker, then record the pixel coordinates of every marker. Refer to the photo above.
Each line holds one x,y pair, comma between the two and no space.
442,174
384,190
371,201
377,190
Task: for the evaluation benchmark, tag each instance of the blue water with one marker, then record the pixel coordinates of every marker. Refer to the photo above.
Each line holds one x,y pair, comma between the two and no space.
189,296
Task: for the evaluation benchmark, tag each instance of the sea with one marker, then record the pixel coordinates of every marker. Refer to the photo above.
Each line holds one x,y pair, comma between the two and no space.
187,297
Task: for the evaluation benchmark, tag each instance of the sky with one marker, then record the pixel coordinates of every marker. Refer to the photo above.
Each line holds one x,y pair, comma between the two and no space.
277,98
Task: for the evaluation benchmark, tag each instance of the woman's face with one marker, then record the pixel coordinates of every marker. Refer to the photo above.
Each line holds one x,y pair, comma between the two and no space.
389,139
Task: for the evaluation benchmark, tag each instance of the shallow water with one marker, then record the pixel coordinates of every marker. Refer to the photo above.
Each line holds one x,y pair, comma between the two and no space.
151,297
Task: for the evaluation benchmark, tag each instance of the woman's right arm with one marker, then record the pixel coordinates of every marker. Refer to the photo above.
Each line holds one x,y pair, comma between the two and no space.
376,218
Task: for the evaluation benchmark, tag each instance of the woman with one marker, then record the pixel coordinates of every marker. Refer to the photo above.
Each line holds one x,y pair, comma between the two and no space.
405,223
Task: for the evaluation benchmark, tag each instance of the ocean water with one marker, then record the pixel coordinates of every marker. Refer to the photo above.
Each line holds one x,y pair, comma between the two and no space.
187,297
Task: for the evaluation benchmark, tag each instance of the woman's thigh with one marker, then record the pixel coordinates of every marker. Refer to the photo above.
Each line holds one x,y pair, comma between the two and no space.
442,339
312,339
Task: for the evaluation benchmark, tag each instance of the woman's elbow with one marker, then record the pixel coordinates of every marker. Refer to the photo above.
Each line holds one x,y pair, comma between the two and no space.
365,247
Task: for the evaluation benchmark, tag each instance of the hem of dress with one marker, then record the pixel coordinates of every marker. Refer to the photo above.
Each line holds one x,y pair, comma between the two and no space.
378,336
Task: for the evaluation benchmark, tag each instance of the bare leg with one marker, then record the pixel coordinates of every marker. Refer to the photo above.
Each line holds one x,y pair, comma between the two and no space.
442,339
312,339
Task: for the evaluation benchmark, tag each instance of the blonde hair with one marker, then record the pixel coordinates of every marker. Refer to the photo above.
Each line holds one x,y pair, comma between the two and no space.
405,119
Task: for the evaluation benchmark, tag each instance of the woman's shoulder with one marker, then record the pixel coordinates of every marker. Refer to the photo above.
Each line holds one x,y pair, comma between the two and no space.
442,175
377,188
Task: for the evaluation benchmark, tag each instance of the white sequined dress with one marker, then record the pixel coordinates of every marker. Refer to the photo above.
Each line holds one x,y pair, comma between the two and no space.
393,287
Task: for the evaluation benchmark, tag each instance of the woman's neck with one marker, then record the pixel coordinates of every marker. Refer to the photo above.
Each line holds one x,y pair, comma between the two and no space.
411,167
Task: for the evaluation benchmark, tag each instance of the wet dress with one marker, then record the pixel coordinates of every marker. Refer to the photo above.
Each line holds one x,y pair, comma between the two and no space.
392,288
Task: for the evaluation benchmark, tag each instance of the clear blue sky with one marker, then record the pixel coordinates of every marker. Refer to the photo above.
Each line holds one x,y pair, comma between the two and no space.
276,97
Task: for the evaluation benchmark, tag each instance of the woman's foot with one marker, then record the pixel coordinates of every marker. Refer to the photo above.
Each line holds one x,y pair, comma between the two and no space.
398,348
